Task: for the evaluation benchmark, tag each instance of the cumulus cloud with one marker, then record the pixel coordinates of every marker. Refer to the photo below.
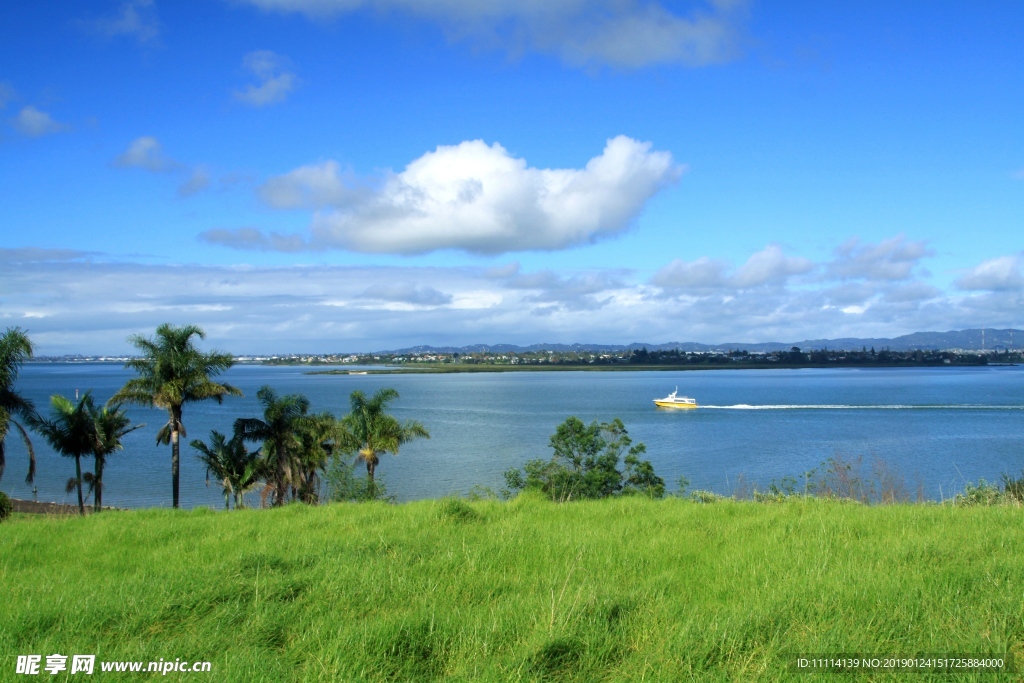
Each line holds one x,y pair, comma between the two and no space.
275,81
146,153
768,267
891,259
1001,274
36,123
472,197
135,18
622,33
700,274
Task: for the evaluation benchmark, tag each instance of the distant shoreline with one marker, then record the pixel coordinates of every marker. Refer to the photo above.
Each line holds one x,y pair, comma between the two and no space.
426,369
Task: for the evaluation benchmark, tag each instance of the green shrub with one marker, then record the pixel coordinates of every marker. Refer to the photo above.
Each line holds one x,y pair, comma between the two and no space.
344,485
1013,488
701,496
982,493
585,465
5,506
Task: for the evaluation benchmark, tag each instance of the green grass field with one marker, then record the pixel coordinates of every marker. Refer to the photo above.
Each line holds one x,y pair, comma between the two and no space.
612,590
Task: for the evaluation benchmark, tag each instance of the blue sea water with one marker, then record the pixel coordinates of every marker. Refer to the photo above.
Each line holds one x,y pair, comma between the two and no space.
938,427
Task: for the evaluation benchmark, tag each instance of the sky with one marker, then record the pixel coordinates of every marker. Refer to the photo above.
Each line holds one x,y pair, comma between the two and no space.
353,175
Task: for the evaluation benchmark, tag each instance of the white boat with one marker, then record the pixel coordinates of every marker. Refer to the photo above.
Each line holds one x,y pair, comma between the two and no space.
673,401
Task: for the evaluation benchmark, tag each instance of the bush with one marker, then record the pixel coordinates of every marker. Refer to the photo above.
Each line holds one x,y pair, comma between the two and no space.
982,493
5,506
701,496
1013,488
344,485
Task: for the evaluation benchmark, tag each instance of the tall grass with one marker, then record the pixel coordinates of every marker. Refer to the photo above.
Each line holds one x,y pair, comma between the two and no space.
609,590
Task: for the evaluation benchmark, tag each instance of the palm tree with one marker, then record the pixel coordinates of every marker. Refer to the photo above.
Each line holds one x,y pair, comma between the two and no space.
173,372
15,349
110,424
280,431
370,431
318,435
231,462
70,431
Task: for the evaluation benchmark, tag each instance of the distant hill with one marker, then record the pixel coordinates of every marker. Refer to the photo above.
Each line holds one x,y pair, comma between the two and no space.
968,340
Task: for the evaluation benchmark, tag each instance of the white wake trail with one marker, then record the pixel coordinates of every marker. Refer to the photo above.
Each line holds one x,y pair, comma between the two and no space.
962,406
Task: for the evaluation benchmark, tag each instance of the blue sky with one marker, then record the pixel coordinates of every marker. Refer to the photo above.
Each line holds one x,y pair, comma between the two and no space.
329,175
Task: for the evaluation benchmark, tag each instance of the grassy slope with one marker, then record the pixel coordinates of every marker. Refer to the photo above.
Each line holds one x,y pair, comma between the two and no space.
527,590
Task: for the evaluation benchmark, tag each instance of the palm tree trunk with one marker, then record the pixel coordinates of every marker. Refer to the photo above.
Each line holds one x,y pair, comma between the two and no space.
175,454
283,475
227,499
97,485
369,458
78,475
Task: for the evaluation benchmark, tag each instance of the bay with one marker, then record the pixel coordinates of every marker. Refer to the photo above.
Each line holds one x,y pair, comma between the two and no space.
938,427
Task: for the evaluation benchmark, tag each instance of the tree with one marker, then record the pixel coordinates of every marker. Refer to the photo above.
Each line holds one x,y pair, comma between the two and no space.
369,432
70,431
110,424
15,349
237,469
280,431
318,436
173,372
585,464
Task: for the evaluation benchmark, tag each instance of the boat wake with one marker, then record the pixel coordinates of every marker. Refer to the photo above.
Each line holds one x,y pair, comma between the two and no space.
960,406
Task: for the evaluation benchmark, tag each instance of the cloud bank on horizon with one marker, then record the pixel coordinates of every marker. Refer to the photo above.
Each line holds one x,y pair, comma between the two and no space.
60,296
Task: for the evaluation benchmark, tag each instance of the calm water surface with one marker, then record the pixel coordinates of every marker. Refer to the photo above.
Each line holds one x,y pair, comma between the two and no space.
937,426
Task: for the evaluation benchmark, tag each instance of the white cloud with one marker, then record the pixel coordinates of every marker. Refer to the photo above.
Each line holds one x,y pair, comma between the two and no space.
701,274
770,266
7,93
406,292
38,255
195,183
255,240
312,187
146,153
36,123
472,197
1001,274
275,82
135,18
623,33
891,259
